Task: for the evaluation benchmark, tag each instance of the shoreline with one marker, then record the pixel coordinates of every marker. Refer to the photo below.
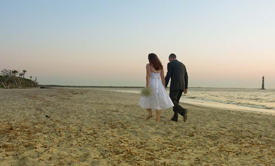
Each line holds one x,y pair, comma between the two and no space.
211,104
183,100
230,107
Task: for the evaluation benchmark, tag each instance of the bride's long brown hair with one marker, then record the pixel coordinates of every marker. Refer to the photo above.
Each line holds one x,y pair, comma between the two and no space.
155,62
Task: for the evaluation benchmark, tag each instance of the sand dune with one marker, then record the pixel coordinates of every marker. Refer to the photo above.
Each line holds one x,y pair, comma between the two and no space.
98,127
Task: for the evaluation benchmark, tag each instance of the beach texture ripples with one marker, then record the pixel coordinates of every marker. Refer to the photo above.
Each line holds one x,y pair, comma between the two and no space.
98,127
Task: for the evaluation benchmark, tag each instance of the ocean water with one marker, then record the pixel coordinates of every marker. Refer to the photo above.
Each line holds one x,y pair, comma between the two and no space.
232,98
243,97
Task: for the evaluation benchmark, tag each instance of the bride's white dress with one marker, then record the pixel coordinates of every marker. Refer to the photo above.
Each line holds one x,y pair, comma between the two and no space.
159,99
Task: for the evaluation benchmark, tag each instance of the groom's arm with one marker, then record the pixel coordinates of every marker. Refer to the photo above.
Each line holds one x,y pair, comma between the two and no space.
186,79
168,75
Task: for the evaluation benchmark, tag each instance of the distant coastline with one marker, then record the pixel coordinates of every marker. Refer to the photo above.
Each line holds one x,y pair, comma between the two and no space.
138,87
75,86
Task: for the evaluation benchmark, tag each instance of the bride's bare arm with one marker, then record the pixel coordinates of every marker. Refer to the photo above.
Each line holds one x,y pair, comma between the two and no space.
148,73
162,77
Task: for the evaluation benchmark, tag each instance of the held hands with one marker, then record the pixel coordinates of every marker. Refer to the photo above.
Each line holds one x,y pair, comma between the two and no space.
185,91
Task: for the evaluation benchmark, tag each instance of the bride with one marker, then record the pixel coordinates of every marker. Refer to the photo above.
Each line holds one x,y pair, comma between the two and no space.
159,98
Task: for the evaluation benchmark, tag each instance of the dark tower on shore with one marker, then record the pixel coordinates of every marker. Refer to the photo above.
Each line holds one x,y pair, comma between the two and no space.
263,83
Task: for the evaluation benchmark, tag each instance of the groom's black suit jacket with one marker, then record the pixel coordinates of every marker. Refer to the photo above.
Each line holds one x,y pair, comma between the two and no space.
178,74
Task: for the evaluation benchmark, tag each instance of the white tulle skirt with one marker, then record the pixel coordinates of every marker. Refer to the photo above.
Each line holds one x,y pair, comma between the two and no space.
159,99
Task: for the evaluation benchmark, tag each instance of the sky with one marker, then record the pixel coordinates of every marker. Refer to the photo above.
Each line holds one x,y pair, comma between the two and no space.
223,43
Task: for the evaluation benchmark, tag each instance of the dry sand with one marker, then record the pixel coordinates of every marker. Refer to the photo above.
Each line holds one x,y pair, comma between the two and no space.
98,127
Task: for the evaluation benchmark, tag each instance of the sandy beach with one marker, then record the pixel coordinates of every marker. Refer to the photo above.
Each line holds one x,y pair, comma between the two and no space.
63,126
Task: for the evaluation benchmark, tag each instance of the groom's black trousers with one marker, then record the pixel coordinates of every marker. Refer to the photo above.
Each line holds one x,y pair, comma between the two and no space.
175,96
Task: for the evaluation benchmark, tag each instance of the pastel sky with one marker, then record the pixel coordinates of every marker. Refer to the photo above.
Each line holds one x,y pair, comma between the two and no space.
223,43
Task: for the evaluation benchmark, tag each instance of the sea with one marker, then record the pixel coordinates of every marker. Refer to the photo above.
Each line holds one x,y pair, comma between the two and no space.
246,99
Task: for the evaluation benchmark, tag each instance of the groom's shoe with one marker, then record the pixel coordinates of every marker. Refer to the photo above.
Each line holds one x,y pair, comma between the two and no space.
185,115
174,119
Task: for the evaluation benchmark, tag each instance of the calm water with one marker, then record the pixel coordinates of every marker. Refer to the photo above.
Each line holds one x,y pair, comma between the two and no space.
225,97
254,98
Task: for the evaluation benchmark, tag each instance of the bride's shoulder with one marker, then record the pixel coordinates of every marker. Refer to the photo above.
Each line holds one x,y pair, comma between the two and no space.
148,66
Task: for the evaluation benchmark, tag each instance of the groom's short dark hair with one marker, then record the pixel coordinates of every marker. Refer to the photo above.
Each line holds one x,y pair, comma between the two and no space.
172,56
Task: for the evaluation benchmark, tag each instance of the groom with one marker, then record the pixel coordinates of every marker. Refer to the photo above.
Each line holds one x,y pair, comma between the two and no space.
179,83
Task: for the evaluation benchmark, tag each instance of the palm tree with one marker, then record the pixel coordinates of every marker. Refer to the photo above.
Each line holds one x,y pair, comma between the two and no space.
24,72
14,72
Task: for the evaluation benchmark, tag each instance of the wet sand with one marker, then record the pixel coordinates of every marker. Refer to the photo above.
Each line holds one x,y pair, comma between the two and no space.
98,127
